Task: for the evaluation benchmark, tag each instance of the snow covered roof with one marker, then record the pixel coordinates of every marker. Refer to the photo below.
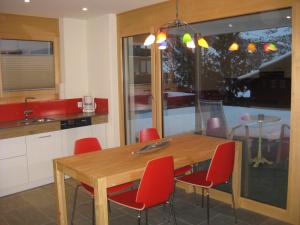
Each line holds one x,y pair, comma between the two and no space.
264,66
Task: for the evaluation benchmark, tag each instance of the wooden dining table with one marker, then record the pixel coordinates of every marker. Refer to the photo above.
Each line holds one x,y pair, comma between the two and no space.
110,167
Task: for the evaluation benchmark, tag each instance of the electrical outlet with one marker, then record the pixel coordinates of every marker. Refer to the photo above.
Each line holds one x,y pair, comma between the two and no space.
79,104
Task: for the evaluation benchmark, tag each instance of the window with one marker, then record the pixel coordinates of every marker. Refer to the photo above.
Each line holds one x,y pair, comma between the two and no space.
26,65
249,85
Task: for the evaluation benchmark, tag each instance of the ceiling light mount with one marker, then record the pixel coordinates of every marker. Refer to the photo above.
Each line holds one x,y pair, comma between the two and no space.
84,9
179,24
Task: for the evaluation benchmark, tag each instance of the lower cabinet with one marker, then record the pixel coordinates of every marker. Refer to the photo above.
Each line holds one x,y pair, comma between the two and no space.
13,172
41,150
27,162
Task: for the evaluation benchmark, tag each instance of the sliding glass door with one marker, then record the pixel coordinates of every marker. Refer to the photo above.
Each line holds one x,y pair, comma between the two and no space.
239,87
137,86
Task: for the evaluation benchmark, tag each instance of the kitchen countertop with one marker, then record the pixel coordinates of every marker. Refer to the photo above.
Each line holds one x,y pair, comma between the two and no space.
18,128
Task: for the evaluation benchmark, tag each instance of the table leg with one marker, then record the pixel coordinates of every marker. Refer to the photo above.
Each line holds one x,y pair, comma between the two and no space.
101,209
61,195
259,159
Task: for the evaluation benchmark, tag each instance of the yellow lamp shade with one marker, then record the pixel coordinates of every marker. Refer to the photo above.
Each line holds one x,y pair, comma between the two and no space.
161,37
149,40
187,38
203,43
251,48
234,47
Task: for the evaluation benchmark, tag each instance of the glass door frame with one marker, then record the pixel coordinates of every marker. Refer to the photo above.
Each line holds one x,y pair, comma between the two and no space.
293,204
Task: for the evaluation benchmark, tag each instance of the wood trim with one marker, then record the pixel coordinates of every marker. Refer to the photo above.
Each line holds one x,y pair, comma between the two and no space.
293,200
158,92
152,17
36,29
190,11
28,26
121,91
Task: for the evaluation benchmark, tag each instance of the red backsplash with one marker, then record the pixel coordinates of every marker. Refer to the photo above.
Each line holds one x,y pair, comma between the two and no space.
9,112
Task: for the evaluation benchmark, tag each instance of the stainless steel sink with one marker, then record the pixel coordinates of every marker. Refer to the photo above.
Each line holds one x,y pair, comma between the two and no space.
35,121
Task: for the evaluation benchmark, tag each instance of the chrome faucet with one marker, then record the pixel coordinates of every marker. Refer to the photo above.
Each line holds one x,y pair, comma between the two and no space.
27,111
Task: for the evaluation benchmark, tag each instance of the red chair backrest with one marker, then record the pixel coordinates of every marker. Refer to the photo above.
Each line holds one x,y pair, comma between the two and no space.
157,183
149,134
85,145
222,163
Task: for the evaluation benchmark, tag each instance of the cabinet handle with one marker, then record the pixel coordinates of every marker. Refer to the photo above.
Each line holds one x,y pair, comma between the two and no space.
46,136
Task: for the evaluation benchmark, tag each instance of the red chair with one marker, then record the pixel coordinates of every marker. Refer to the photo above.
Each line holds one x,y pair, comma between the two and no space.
150,134
219,172
156,188
86,145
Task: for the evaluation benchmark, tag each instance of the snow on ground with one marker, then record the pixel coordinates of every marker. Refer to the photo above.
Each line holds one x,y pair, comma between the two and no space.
182,120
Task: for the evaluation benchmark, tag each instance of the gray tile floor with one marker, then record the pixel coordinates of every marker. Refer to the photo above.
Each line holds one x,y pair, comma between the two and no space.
37,207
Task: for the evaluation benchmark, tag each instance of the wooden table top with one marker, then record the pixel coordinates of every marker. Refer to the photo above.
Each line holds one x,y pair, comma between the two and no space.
119,165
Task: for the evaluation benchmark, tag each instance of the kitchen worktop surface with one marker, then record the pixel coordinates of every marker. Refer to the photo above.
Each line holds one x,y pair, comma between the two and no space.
16,128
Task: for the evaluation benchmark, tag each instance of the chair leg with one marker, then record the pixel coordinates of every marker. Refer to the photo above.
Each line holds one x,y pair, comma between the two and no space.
207,205
139,218
202,204
172,212
146,216
195,195
233,203
93,219
74,203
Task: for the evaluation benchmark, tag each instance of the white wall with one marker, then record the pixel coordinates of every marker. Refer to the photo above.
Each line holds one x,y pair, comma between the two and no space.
102,68
89,64
74,82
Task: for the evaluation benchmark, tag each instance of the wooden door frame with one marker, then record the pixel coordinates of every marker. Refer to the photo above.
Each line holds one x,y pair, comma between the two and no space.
192,13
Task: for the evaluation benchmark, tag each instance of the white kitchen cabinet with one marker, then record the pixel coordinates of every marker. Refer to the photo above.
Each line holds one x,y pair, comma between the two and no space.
99,131
69,137
41,150
13,163
12,147
13,172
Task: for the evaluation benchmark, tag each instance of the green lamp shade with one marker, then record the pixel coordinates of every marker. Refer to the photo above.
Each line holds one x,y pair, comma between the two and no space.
187,38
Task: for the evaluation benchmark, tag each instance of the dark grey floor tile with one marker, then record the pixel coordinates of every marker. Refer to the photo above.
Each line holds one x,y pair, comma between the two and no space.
26,216
222,219
12,202
274,222
250,217
3,221
38,197
123,220
192,214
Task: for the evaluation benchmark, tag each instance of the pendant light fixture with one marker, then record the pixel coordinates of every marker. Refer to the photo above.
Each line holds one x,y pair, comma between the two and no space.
183,27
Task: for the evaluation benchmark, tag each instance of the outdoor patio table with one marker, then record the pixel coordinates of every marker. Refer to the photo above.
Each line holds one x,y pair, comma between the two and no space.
103,169
261,120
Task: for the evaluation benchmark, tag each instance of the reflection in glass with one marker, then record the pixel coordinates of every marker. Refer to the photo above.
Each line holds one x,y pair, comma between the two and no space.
249,79
137,86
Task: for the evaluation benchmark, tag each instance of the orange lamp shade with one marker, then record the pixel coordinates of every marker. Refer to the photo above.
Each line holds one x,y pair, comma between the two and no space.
161,37
251,48
203,43
234,47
